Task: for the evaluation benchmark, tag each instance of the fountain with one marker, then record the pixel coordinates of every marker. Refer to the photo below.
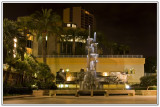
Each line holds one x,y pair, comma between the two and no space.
90,81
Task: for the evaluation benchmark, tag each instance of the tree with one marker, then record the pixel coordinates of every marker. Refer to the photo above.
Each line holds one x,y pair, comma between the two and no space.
148,81
76,33
44,77
25,25
45,25
150,65
10,31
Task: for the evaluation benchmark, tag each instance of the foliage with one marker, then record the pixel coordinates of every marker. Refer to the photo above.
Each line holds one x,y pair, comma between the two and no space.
148,81
25,25
150,65
10,31
73,33
46,24
44,77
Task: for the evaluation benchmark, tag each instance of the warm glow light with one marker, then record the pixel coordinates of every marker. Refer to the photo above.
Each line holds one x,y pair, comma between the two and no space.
68,25
14,55
61,85
15,39
86,12
63,70
105,74
46,38
73,25
67,70
66,85
35,75
68,78
127,86
15,45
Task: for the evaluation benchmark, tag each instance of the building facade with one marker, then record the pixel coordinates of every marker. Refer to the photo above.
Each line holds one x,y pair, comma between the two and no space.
106,67
78,17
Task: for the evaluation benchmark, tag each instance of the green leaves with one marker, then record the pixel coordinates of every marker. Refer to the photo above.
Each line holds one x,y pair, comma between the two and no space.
46,24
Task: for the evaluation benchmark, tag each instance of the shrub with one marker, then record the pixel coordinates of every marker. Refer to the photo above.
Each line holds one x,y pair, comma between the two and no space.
148,81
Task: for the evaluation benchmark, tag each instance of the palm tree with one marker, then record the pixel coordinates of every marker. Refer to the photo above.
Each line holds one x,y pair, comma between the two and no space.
45,25
75,33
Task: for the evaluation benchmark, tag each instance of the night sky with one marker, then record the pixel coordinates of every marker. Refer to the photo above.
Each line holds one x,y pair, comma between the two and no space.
133,24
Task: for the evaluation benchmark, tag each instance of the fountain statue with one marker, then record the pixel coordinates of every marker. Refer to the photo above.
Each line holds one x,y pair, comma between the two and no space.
90,80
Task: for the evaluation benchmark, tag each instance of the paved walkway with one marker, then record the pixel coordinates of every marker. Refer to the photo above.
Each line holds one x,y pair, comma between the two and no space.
82,100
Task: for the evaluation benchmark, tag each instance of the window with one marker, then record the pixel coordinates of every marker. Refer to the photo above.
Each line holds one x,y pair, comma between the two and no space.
73,25
68,25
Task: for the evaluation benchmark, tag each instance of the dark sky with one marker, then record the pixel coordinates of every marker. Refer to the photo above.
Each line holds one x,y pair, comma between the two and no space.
133,24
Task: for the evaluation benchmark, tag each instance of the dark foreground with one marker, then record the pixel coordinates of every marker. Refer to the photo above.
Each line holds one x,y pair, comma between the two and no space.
82,100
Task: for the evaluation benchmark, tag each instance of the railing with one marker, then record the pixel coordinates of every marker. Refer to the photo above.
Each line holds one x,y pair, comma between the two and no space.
84,56
149,74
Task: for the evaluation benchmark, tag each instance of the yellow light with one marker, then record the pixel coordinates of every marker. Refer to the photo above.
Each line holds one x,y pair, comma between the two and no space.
68,78
105,74
35,75
15,45
73,25
15,39
46,38
14,55
61,85
66,85
67,70
86,12
68,25
127,86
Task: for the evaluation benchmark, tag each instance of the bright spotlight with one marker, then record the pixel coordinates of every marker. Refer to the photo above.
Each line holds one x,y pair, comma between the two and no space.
127,86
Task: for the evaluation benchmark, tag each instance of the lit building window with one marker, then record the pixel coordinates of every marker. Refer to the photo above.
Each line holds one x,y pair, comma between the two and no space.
68,25
73,25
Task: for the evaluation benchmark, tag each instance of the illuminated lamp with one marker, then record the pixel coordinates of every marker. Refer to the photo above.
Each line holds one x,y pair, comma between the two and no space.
68,78
67,70
127,86
105,74
15,39
15,45
66,85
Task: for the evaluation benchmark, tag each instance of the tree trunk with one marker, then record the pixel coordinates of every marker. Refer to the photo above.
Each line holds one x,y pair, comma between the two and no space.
44,48
73,46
